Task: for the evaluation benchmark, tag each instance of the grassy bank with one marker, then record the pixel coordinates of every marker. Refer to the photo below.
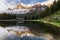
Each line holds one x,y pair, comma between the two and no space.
54,19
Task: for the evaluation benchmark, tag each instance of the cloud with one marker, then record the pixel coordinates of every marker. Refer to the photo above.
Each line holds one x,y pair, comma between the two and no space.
48,2
5,4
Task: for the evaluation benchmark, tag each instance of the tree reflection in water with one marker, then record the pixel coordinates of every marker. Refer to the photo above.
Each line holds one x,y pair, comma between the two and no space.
36,28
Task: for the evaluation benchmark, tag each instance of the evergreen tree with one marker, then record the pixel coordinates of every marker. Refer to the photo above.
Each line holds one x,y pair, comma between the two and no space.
58,5
53,7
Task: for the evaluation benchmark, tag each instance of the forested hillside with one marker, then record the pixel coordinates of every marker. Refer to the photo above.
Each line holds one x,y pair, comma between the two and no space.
54,17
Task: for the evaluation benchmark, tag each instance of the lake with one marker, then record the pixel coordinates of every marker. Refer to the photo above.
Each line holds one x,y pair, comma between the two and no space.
28,30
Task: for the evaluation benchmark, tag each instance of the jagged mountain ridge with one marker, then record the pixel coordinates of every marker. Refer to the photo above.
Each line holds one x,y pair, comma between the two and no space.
21,9
22,6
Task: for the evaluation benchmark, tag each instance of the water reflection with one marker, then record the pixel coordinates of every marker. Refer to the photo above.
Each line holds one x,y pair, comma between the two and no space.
40,30
5,24
17,33
15,37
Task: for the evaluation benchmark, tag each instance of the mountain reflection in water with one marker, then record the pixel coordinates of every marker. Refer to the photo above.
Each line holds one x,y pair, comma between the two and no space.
23,38
17,33
36,31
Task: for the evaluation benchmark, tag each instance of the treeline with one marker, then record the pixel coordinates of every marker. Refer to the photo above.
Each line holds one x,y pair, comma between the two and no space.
5,16
52,9
55,7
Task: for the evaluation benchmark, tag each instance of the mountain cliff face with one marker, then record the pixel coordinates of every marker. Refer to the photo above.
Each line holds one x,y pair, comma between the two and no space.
19,6
23,9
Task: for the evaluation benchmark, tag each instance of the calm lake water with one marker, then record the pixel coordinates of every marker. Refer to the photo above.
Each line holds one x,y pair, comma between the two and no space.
40,30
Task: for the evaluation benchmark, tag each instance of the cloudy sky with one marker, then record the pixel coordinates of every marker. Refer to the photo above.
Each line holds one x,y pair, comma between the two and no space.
5,4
